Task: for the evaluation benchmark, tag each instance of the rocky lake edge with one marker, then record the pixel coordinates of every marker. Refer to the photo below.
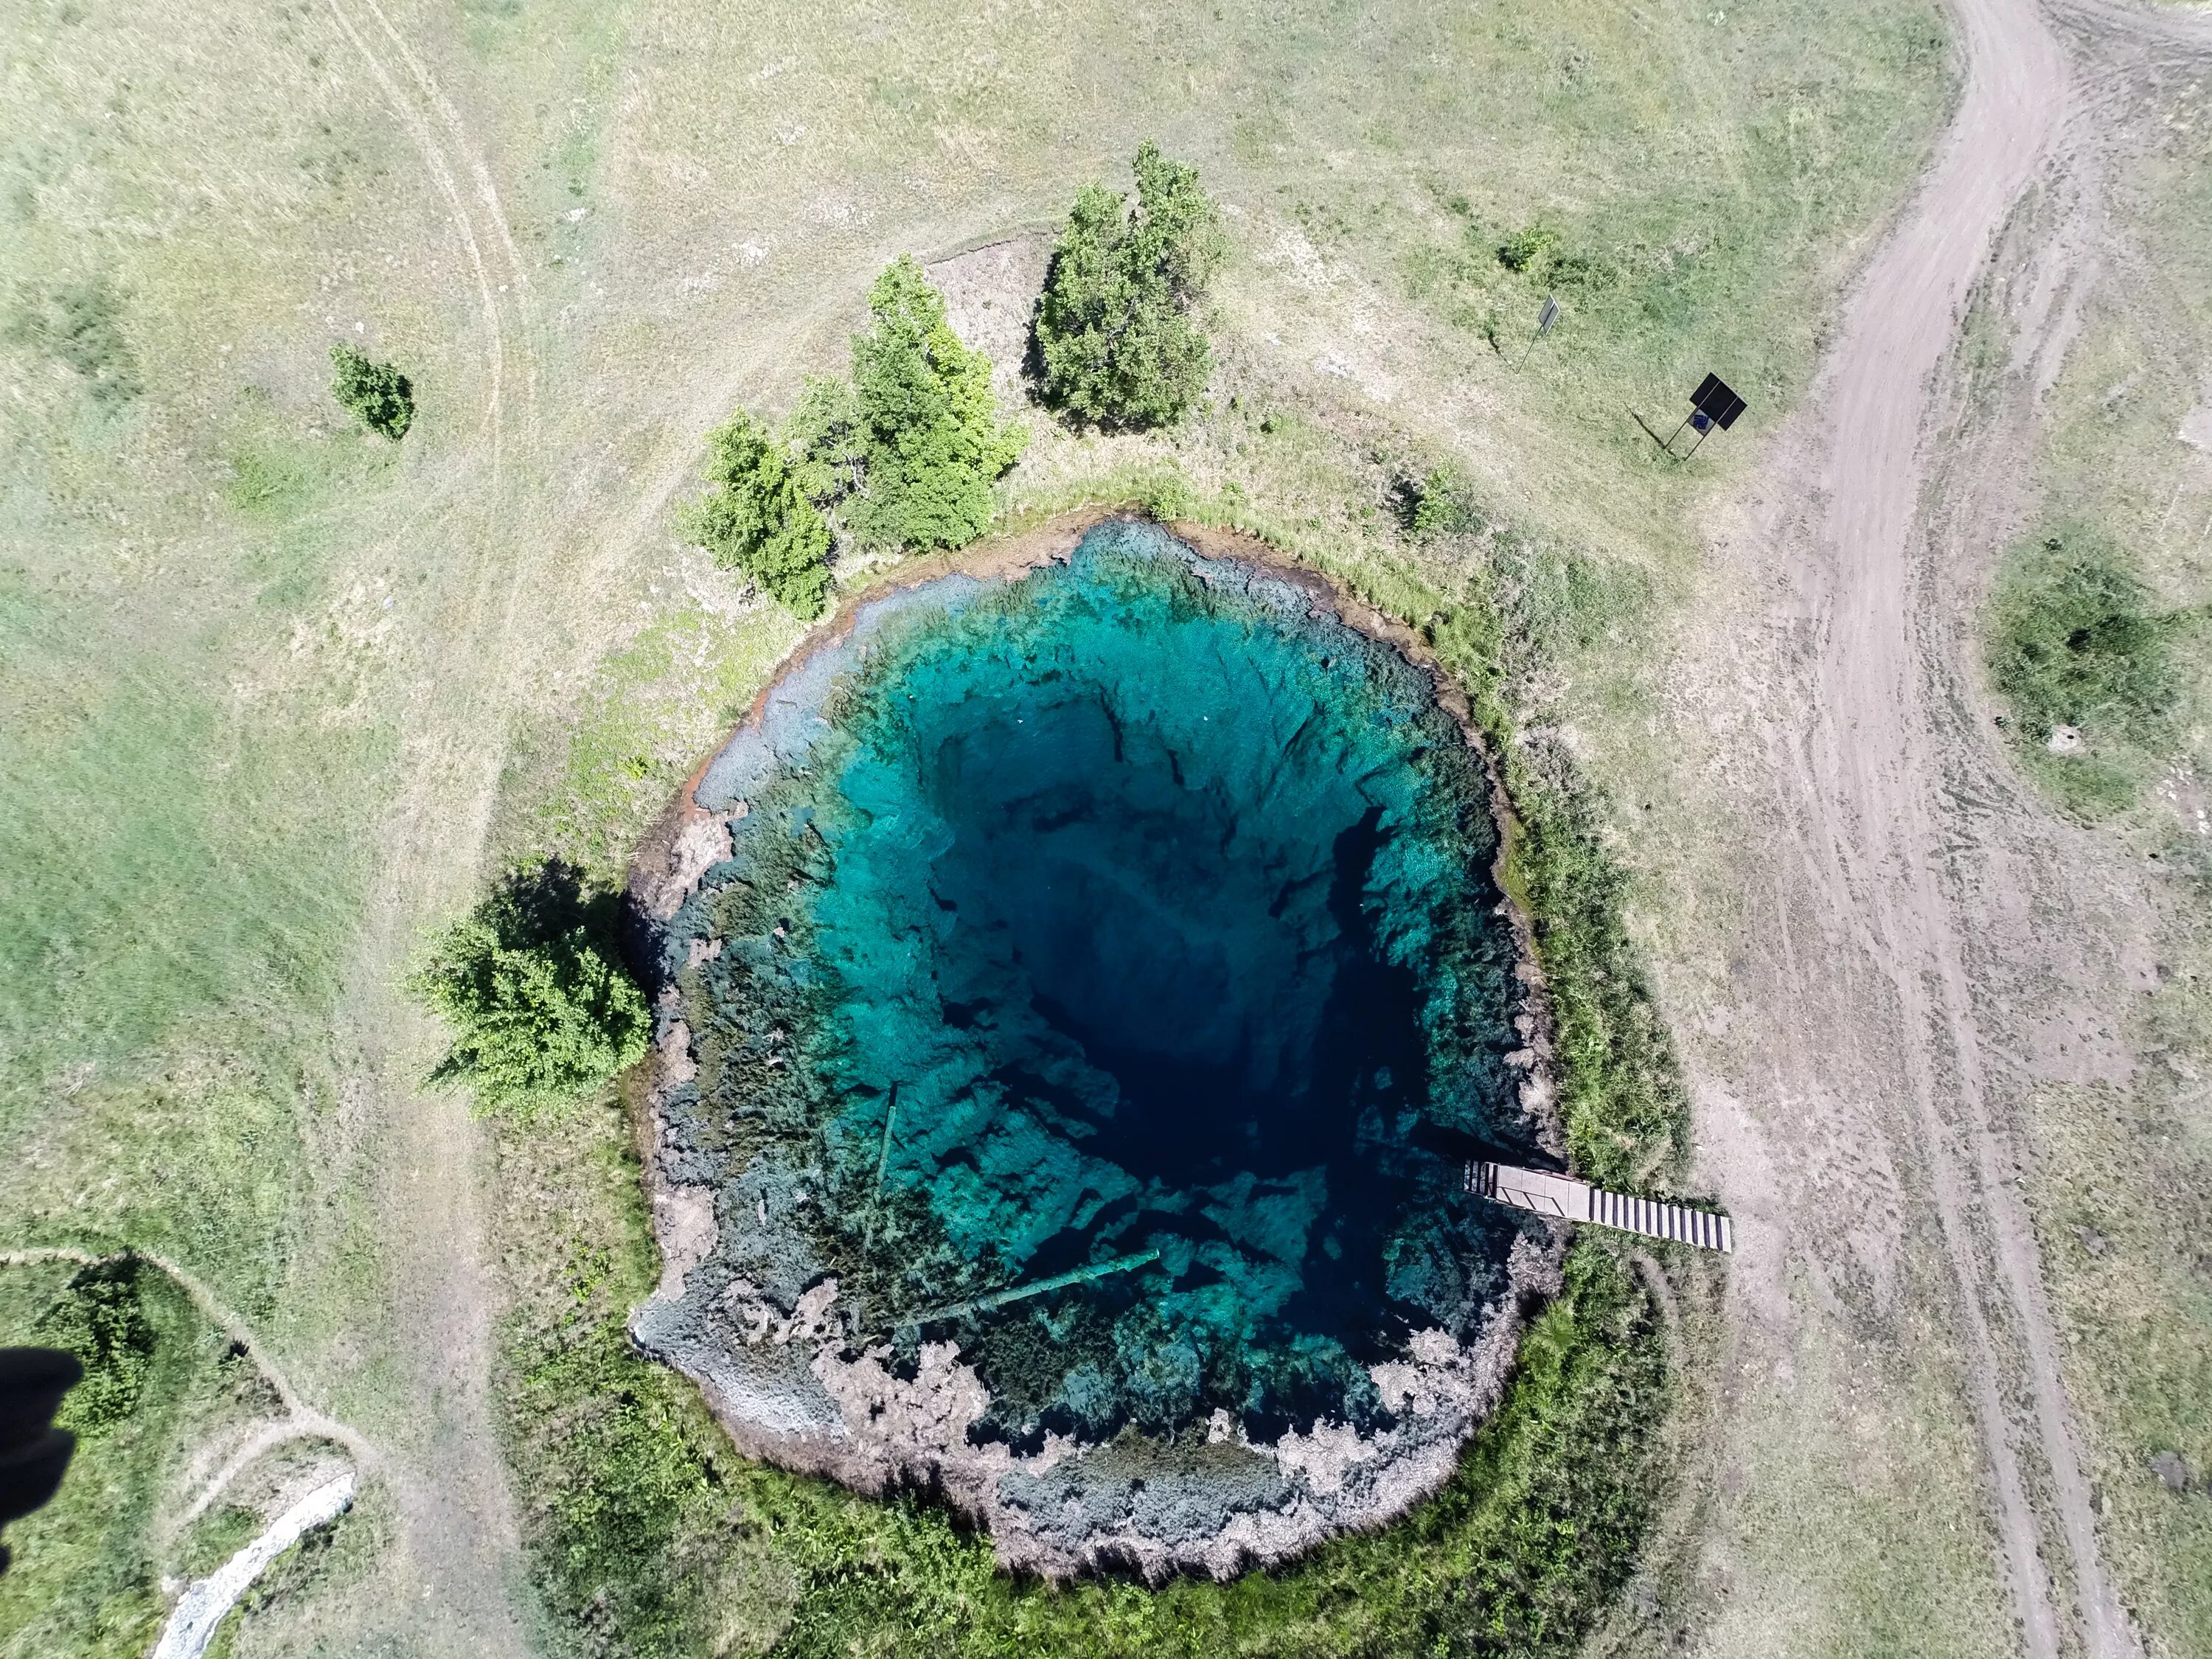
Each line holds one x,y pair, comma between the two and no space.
788,1381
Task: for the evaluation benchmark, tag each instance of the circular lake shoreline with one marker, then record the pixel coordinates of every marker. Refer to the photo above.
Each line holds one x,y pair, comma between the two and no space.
1081,979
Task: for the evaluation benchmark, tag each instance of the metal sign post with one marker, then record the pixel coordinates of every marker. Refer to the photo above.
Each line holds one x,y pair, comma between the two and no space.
1714,403
1545,319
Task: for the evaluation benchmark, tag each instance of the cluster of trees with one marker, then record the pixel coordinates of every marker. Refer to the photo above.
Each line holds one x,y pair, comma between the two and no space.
905,453
902,454
1117,345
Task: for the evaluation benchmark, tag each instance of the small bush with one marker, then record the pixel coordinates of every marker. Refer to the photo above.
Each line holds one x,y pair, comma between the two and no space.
537,993
758,519
2075,643
1525,250
1439,502
376,394
1165,494
101,1319
1114,338
926,419
78,324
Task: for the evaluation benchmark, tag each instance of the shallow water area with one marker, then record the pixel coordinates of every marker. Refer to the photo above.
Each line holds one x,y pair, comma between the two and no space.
1085,1027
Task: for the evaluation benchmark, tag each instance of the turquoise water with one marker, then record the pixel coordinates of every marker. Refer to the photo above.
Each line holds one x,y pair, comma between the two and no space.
1129,915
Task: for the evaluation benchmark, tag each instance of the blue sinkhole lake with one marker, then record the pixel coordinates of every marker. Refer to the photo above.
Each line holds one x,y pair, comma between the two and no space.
1128,923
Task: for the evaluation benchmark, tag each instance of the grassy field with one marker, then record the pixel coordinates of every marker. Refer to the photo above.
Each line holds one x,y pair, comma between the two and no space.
160,1382
283,694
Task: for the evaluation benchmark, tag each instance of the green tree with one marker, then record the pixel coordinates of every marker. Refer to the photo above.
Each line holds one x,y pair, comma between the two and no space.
1116,342
532,982
760,518
829,451
925,419
376,394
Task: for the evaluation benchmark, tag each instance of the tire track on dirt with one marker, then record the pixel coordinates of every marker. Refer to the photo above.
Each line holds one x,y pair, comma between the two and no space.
434,163
1879,837
460,1536
487,195
1868,771
439,161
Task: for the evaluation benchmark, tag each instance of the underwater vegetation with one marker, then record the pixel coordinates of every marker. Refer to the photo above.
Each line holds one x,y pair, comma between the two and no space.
1105,977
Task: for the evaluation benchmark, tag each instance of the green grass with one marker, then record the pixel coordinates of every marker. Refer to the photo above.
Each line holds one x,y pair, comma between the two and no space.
653,707
77,323
152,976
1665,263
86,1574
649,1537
280,471
1514,1558
165,864
214,1538
638,1540
341,1555
172,915
2077,640
237,777
2132,1291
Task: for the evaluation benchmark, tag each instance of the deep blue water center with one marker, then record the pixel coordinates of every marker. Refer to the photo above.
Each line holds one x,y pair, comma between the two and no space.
1134,915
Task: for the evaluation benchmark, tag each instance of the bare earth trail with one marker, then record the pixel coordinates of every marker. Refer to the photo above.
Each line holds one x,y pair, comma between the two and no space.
1867,772
457,1563
416,1155
1860,1031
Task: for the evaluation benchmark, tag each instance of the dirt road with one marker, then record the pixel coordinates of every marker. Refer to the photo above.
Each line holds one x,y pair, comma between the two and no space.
1860,1030
1868,777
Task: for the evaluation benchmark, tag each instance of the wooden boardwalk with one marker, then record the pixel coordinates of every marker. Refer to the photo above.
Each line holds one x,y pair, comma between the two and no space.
1577,1200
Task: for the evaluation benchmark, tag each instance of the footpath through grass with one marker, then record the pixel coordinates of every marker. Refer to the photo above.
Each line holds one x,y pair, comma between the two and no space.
87,1569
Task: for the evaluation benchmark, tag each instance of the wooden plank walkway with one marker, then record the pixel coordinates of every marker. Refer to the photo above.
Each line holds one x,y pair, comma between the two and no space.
1577,1200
